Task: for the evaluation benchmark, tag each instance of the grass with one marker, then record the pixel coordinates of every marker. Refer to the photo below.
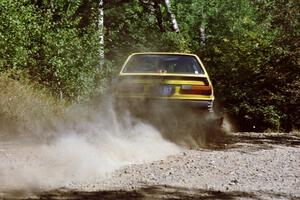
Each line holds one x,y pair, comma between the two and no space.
23,105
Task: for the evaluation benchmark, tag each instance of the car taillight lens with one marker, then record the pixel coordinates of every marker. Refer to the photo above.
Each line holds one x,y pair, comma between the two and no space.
196,89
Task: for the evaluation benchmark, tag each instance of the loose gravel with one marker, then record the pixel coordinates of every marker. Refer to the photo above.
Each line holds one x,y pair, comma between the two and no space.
249,166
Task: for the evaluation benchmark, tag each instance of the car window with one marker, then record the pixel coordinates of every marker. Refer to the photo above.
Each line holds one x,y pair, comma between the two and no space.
163,63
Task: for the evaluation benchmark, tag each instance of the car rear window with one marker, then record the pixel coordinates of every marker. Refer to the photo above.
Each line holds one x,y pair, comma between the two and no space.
182,64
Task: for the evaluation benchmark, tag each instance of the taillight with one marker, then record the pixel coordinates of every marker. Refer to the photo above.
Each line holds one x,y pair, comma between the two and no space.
196,89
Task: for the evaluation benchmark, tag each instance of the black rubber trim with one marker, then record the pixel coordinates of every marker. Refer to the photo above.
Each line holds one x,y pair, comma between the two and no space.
188,78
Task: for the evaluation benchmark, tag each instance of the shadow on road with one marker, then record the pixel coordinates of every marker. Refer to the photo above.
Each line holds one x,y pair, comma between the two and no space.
257,140
158,192
285,140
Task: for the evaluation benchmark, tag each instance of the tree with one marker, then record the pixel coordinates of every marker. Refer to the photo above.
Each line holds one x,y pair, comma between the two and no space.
172,16
250,48
51,44
101,33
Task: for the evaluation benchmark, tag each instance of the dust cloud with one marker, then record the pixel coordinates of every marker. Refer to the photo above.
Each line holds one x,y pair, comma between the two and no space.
84,145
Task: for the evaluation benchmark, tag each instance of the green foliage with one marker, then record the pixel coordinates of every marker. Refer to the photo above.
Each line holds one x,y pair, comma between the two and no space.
45,41
133,27
251,70
250,49
18,26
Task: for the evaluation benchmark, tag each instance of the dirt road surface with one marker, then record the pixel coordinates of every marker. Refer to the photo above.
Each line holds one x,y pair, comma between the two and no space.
248,166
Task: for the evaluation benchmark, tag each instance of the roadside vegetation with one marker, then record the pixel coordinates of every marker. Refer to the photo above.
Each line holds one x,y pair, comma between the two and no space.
25,106
250,48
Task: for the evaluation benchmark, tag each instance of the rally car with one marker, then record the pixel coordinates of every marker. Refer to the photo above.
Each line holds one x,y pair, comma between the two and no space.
171,89
176,77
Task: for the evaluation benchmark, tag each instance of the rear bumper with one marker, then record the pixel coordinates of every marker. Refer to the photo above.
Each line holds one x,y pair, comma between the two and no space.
186,103
170,103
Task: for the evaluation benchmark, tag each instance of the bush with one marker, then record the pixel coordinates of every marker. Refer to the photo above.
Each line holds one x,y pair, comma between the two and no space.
46,41
24,105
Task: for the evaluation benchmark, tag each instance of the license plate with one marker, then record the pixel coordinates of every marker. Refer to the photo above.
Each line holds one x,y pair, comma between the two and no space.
166,90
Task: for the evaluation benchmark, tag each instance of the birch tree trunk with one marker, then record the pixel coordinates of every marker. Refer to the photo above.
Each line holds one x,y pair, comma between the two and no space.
202,34
101,34
172,16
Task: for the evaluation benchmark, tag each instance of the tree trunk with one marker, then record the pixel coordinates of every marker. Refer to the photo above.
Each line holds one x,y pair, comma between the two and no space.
159,16
101,33
202,35
172,16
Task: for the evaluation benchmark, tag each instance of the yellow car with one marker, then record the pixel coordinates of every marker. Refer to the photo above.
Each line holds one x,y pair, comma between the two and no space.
177,79
173,92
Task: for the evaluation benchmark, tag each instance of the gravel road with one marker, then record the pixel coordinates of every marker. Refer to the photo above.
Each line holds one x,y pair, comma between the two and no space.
248,166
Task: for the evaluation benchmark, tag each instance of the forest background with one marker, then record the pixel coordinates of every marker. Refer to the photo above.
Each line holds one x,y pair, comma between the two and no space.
250,48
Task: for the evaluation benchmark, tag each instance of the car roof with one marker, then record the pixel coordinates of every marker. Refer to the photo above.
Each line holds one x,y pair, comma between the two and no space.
163,53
